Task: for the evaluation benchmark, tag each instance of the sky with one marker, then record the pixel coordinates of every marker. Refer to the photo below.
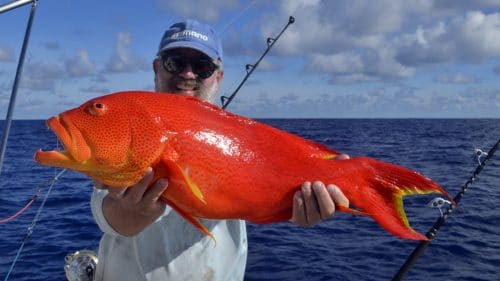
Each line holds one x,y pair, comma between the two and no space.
340,59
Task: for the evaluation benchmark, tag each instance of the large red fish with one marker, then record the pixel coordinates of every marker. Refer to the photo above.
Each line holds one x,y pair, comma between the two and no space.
221,165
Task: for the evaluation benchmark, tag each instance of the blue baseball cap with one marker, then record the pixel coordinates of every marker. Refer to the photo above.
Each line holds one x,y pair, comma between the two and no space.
194,35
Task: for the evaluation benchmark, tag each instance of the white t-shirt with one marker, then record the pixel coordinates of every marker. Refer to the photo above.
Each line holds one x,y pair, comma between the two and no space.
170,249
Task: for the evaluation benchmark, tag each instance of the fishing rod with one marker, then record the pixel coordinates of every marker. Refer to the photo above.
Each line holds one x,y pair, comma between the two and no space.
12,102
431,234
249,68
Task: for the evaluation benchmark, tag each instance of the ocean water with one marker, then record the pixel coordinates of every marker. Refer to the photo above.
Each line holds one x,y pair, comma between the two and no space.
345,247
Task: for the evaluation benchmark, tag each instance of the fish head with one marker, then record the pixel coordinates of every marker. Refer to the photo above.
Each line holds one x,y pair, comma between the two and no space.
112,139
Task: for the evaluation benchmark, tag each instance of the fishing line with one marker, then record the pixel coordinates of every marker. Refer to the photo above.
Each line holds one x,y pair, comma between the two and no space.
31,201
30,228
224,29
22,210
431,234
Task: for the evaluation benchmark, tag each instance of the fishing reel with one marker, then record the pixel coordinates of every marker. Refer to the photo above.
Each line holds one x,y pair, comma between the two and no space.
80,266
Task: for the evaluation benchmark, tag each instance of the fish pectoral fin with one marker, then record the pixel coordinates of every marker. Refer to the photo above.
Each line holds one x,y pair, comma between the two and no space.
350,210
193,220
177,173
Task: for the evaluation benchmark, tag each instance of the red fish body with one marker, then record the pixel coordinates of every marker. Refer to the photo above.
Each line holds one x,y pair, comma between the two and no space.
221,165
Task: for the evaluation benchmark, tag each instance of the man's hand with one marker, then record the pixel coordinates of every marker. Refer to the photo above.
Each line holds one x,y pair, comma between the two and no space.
314,202
130,210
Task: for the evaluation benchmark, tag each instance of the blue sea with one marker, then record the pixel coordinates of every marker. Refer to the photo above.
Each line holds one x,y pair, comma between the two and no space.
345,247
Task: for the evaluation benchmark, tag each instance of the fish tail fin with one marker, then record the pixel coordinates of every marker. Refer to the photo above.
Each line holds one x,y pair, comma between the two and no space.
380,190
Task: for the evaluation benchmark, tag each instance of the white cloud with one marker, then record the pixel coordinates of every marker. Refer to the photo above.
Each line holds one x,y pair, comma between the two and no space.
470,37
457,78
6,54
345,40
332,26
51,46
266,65
40,76
95,89
80,65
359,40
478,34
344,63
350,67
385,102
209,10
465,4
122,60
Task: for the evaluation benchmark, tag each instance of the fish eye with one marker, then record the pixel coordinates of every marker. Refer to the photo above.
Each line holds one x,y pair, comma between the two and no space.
96,108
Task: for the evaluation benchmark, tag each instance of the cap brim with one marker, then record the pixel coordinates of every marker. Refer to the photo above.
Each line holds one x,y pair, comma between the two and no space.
191,45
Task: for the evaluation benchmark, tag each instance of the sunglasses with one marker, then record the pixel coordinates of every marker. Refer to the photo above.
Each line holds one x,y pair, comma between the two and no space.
201,66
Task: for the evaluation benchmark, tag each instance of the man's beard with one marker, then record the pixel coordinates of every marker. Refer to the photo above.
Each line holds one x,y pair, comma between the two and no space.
205,92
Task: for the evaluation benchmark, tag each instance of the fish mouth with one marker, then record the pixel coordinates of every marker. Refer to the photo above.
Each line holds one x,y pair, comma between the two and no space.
75,149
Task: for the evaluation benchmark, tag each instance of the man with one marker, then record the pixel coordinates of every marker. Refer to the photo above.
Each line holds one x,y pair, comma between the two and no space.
146,240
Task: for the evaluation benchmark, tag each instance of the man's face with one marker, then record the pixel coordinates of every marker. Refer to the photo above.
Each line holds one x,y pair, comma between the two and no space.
186,82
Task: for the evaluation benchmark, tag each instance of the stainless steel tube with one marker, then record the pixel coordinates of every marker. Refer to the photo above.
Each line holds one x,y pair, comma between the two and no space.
14,4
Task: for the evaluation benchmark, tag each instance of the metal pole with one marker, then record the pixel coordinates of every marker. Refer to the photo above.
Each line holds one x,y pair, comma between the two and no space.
14,4
8,119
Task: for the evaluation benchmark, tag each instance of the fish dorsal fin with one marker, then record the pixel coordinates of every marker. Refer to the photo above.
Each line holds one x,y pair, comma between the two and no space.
318,150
